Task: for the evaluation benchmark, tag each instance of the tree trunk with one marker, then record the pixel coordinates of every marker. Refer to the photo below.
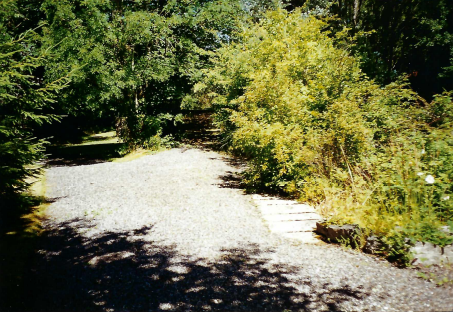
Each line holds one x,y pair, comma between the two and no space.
357,5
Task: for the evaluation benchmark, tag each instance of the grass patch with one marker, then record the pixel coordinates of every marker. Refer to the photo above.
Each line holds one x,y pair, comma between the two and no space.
130,156
97,138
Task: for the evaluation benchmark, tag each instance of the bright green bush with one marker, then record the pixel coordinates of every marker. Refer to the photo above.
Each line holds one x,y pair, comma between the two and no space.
291,98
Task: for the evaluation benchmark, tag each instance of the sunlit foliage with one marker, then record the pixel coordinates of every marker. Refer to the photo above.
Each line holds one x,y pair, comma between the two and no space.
291,98
135,60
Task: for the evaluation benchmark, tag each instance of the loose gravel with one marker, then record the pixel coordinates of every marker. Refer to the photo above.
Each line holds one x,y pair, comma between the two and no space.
171,232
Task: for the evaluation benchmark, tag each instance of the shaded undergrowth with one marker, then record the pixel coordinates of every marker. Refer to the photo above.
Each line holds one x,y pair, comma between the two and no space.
125,271
199,130
83,154
20,228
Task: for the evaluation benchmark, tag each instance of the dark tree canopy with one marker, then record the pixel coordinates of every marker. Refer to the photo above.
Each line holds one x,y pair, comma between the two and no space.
412,37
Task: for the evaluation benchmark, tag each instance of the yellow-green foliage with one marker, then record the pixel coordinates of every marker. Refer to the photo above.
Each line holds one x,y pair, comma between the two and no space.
291,98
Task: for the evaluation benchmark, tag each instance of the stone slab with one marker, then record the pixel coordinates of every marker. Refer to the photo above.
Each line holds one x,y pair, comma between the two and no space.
275,209
303,237
293,226
258,197
291,217
278,202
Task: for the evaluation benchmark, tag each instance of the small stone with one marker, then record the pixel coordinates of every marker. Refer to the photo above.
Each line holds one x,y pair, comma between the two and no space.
348,233
373,245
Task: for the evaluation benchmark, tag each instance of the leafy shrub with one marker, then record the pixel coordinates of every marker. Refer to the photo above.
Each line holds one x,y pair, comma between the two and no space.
145,130
291,98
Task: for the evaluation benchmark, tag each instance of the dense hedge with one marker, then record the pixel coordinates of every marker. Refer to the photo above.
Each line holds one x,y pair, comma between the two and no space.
291,98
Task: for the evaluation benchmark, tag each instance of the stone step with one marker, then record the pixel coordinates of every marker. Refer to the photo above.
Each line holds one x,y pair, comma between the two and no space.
291,217
272,199
275,209
258,197
279,202
303,237
293,226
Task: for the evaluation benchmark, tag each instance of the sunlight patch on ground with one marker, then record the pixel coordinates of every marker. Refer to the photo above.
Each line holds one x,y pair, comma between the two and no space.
33,219
110,257
98,138
179,269
133,155
111,137
166,306
38,188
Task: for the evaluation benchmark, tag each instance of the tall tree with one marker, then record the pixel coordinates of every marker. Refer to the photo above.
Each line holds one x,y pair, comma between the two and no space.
23,101
413,37
135,59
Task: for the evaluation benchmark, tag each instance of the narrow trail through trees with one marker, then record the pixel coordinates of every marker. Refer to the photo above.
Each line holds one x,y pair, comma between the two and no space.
173,232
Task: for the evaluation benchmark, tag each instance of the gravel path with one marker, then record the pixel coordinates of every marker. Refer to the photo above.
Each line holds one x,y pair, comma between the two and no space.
171,232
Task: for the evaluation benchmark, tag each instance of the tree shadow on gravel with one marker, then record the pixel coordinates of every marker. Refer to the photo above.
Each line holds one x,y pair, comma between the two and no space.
83,154
231,180
126,272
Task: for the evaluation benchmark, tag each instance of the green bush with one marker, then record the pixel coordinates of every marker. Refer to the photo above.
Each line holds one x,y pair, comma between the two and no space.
145,130
291,98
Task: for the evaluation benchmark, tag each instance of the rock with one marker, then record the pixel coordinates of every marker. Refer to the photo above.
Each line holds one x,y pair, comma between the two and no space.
321,228
373,245
348,233
429,254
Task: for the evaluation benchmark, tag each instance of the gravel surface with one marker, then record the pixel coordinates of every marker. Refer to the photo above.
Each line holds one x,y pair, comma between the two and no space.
171,232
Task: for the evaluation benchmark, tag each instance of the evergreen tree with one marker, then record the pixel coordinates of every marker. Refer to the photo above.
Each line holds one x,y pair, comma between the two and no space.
23,98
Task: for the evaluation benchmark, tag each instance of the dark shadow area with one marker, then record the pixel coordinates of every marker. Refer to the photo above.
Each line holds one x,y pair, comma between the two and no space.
126,272
73,130
231,180
199,130
83,154
235,180
20,226
66,136
236,162
13,208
